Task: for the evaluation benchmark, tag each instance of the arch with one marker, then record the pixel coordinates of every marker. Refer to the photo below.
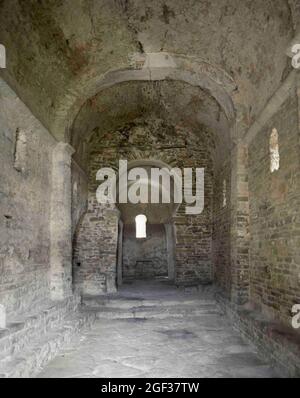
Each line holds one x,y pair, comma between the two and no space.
147,67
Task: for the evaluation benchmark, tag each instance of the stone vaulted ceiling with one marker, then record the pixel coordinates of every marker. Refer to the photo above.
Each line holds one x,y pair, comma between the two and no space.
178,103
59,53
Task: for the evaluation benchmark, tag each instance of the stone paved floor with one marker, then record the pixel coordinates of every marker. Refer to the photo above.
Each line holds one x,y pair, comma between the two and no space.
196,342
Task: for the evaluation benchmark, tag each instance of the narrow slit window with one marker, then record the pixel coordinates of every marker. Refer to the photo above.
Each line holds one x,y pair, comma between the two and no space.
140,226
20,151
224,193
274,151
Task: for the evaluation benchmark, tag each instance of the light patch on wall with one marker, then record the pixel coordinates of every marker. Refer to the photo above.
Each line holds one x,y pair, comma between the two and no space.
140,226
274,151
224,193
75,192
20,151
2,57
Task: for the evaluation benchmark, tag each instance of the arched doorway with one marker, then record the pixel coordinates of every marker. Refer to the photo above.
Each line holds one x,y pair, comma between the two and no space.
146,235
145,258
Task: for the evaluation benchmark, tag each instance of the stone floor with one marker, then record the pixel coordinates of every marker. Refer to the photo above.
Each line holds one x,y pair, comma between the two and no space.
153,329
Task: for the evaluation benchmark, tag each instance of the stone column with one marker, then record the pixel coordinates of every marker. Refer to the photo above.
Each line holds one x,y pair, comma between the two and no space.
61,223
240,236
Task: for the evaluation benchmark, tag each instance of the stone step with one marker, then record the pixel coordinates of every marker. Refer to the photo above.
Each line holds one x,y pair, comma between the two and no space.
21,331
125,303
157,312
41,350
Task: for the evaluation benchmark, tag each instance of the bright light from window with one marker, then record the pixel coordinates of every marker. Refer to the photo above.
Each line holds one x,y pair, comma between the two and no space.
274,151
140,226
224,193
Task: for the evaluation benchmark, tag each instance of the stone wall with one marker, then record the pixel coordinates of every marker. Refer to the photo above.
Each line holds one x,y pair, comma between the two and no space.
239,226
275,342
275,217
154,139
95,249
25,191
193,250
221,228
79,195
145,258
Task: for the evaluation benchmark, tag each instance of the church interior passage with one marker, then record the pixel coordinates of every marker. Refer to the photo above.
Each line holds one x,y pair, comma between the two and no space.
87,287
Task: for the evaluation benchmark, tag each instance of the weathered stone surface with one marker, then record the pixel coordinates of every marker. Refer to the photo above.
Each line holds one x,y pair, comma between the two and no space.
178,84
95,249
33,339
274,216
276,343
171,337
25,207
79,44
61,223
146,140
147,258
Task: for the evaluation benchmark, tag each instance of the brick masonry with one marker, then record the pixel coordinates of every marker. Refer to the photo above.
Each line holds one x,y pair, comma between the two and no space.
151,139
221,229
95,251
25,193
146,257
250,246
275,217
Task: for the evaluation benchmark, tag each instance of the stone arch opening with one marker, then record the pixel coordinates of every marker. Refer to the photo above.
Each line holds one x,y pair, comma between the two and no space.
151,254
145,130
149,67
165,85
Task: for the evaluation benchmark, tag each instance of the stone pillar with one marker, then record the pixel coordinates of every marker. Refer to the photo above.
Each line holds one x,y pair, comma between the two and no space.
61,223
240,236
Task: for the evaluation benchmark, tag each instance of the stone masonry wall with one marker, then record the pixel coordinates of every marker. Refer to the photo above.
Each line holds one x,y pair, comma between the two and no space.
79,195
221,229
275,217
25,190
153,139
95,253
145,258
